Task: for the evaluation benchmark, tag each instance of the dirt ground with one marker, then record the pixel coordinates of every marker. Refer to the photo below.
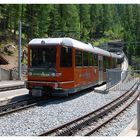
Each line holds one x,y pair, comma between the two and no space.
12,60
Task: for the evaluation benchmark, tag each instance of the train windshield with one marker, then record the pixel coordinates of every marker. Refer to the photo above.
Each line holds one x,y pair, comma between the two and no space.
43,57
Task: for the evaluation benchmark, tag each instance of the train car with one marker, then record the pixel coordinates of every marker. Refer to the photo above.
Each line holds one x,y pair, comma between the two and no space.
61,66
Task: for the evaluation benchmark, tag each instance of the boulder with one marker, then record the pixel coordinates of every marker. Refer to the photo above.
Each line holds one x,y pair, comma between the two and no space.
9,48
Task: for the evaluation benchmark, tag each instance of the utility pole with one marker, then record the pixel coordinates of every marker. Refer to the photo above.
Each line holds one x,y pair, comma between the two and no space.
19,51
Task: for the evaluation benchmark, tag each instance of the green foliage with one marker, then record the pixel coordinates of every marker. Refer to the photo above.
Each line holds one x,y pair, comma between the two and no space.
114,34
101,22
96,17
136,62
54,22
100,41
84,14
69,20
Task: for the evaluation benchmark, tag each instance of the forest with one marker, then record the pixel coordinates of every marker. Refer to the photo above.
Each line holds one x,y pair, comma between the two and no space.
93,23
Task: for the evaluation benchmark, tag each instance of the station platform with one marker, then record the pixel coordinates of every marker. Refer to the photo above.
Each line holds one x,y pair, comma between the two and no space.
130,130
10,83
11,91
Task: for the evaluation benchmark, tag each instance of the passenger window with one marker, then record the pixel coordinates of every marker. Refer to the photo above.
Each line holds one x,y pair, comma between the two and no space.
31,57
95,60
85,59
114,63
78,58
107,63
90,59
66,57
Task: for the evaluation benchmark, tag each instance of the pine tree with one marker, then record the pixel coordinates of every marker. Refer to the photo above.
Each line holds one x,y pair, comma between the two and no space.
129,35
81,21
44,20
14,17
54,28
84,14
136,13
4,18
96,16
108,17
69,23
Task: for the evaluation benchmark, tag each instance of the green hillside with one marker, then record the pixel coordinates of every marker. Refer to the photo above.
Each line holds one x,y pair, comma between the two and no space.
93,23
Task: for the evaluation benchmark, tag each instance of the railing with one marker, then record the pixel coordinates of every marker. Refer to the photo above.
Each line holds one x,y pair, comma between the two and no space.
120,80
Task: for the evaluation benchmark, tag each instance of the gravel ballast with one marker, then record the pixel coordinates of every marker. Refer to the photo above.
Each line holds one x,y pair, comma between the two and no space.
39,119
116,126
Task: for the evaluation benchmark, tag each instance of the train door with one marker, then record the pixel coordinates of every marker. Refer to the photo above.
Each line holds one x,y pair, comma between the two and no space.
100,67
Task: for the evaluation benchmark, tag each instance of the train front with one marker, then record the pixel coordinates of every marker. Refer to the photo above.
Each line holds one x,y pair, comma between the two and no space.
41,68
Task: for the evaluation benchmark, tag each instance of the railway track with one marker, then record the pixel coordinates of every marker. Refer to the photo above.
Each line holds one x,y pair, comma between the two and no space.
24,104
20,105
91,122
11,87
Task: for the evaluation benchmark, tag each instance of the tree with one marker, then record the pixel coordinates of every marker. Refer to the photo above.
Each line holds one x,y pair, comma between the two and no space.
44,18
82,21
96,16
84,14
54,27
107,17
127,19
136,13
4,18
69,23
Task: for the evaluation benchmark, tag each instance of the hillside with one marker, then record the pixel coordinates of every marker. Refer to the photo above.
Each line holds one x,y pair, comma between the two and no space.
9,51
90,23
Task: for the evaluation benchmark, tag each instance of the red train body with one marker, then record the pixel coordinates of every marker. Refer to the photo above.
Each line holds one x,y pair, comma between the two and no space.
62,66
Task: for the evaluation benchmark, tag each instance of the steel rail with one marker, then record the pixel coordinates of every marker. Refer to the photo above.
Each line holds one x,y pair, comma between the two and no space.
21,105
11,87
113,115
71,127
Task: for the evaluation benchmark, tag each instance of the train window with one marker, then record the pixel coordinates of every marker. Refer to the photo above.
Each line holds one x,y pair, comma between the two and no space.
66,57
78,58
30,57
34,59
105,63
85,59
114,63
43,57
108,63
90,59
95,60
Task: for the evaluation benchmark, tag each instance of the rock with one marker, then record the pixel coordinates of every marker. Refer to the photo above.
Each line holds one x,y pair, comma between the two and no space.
9,48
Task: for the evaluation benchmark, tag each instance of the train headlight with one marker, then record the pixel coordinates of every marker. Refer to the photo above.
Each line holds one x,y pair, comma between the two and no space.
53,74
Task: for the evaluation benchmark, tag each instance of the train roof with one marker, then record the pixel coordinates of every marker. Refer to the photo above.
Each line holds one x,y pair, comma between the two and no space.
69,42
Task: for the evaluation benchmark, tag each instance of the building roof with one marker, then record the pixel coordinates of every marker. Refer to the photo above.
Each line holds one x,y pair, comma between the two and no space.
3,61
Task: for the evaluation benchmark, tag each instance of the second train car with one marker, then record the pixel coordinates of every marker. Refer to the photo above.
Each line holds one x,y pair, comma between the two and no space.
61,66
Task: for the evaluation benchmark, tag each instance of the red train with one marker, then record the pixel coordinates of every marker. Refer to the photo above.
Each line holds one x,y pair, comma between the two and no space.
62,66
